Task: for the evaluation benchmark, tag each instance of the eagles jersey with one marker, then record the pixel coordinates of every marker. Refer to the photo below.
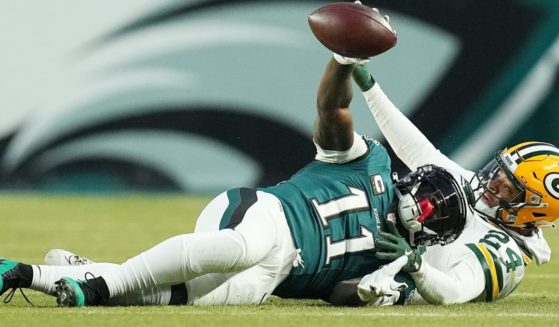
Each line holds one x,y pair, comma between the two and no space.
333,210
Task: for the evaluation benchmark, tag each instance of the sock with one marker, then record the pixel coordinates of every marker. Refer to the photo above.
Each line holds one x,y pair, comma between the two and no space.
179,295
151,296
101,287
26,275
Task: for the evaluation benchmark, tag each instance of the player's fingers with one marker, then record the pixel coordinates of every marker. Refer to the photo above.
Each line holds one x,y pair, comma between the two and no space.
386,246
374,289
395,286
387,18
386,256
391,226
389,237
357,2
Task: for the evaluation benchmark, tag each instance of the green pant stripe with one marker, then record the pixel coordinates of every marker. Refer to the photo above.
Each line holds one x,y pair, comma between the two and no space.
240,200
234,196
486,270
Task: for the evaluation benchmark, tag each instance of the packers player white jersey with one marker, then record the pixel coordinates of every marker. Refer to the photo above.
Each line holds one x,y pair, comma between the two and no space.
414,149
483,264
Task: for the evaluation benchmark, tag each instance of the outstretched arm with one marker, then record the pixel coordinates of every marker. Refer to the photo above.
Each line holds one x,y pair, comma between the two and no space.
333,129
407,141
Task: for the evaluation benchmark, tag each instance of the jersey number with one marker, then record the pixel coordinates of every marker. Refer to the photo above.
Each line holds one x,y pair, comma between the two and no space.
354,202
495,239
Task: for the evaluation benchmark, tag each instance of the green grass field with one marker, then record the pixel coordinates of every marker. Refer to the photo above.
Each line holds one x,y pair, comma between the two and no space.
117,227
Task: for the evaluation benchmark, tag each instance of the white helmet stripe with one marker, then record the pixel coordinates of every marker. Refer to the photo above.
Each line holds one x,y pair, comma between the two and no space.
533,150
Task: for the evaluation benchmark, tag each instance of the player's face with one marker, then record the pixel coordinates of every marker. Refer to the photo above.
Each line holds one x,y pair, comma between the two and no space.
500,187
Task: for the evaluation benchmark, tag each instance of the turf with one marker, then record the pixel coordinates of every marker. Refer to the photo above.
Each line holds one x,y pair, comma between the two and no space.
116,227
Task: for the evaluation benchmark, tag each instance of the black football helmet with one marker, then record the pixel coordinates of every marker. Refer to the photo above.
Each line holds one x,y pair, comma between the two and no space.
431,205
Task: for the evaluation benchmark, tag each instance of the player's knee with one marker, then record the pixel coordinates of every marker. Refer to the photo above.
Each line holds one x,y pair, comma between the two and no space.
251,249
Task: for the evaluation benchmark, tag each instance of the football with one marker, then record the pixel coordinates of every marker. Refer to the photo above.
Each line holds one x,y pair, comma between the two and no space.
352,30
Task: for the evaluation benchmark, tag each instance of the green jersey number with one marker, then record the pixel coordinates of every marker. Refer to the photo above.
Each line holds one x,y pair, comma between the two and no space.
496,239
355,201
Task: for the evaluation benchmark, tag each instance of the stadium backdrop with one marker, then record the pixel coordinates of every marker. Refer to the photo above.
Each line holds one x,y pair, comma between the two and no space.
199,96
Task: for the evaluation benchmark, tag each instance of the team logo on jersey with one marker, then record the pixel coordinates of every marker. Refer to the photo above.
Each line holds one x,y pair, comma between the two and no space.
551,183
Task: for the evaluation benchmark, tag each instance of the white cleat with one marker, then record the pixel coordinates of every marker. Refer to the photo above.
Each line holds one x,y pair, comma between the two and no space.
61,257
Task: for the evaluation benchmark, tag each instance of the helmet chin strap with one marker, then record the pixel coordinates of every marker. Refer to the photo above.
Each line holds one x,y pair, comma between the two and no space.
485,210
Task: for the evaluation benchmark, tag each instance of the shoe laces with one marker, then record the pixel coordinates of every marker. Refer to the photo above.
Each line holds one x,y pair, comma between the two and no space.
76,260
10,296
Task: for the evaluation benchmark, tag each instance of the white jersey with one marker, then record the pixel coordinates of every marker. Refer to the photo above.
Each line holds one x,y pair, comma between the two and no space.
485,263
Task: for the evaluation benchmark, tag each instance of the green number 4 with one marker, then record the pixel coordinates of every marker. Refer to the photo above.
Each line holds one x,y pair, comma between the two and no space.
514,260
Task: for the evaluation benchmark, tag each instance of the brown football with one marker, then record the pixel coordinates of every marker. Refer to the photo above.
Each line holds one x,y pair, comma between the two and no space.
352,30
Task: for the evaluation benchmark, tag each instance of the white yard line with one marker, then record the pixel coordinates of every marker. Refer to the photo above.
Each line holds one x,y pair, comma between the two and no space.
534,294
543,276
322,314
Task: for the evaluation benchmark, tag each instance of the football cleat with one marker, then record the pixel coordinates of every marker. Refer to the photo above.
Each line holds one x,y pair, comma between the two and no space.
14,276
61,257
10,273
69,293
78,293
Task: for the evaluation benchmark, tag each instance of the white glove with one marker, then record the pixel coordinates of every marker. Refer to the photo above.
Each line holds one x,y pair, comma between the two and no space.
380,288
350,61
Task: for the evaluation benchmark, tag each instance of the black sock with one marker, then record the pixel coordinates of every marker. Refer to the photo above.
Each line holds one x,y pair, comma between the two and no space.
26,273
102,288
179,295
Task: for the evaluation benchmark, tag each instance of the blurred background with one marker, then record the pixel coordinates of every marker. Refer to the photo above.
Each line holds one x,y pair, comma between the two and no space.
200,96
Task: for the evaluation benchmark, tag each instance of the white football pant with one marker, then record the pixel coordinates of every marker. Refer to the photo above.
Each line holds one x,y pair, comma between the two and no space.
230,266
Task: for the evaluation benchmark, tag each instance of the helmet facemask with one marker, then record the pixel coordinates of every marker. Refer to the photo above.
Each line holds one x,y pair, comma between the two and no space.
495,171
430,206
532,169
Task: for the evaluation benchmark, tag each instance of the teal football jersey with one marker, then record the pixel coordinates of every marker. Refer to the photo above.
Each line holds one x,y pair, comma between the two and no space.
333,211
